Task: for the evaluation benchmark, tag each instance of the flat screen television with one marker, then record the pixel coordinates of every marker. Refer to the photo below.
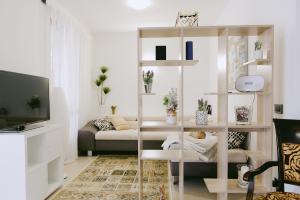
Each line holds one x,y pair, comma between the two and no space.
24,100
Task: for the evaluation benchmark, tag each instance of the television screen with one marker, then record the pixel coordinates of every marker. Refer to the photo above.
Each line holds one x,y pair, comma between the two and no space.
24,99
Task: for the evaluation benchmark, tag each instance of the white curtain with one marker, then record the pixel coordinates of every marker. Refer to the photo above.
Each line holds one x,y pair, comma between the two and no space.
65,63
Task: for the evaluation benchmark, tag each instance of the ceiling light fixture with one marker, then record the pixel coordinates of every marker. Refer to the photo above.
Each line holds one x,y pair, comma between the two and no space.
139,4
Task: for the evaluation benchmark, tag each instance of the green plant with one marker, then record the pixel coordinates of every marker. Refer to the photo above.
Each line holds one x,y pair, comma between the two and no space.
148,77
100,84
258,45
170,101
106,90
202,105
34,102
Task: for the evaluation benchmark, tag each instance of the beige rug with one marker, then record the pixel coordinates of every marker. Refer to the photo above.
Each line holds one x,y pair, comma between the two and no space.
116,178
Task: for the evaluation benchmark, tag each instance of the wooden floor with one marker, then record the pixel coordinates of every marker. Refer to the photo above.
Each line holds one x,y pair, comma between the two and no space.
194,188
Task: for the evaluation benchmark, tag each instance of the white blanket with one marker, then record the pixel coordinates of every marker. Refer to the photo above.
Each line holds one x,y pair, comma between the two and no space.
205,148
199,145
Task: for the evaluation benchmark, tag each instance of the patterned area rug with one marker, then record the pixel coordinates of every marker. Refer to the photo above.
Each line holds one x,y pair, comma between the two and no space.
116,178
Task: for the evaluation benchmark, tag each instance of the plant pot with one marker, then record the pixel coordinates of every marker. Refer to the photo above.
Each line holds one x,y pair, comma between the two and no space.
148,88
171,117
201,117
258,54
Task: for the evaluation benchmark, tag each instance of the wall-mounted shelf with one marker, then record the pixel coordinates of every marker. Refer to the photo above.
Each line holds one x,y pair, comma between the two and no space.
257,62
168,63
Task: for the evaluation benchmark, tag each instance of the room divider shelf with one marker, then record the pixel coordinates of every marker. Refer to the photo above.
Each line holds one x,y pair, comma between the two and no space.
168,63
261,148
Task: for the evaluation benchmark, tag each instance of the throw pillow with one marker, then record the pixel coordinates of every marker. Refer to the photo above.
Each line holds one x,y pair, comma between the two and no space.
119,123
103,125
236,140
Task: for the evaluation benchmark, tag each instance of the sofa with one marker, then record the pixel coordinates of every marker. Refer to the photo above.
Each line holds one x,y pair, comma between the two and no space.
90,139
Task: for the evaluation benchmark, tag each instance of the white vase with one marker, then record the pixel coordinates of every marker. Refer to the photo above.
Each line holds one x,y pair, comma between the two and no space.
171,118
258,54
201,117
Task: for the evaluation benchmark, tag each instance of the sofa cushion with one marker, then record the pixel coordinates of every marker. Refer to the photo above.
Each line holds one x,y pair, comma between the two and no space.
119,122
103,125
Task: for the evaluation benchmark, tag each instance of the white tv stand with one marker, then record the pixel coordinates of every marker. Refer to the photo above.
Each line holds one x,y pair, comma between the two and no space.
31,163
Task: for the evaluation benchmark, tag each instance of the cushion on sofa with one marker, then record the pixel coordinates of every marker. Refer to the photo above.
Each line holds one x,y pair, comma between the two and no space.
118,122
236,140
103,125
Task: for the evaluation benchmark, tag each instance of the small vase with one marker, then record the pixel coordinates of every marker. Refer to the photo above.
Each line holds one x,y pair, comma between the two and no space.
148,88
171,117
258,54
201,117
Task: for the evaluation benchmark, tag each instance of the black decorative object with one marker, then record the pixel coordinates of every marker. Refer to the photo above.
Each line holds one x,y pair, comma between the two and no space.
44,1
160,52
189,50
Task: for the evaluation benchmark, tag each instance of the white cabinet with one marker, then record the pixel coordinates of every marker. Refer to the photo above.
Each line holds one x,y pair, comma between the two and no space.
31,164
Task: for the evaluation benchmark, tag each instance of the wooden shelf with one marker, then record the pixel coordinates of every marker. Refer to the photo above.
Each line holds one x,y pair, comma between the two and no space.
168,63
160,155
256,62
153,94
253,127
173,155
159,126
219,186
238,93
202,31
192,126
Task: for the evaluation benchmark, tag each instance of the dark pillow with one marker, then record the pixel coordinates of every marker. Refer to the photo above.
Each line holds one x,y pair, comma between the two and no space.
103,125
236,140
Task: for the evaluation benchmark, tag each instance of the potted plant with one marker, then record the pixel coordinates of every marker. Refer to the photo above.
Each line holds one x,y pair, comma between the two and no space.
171,103
202,112
258,52
148,80
103,91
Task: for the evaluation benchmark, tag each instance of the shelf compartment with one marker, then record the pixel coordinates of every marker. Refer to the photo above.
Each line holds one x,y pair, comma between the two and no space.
219,186
168,63
253,127
257,62
173,155
159,126
192,126
257,156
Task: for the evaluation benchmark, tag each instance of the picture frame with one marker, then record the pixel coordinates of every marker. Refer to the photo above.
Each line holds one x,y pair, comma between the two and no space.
243,114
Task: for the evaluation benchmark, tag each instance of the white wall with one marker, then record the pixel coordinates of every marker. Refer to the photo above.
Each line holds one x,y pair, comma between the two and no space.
118,51
24,37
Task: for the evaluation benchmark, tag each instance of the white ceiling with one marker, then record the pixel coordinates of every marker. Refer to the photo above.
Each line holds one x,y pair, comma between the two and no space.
115,15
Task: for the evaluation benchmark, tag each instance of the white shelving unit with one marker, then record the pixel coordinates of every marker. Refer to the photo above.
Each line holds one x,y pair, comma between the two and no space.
32,163
262,128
